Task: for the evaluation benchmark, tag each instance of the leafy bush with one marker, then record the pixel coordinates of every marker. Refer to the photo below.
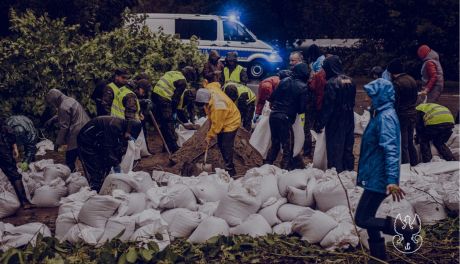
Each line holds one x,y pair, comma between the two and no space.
43,54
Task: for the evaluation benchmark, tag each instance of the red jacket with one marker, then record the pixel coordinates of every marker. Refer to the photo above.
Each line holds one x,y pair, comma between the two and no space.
316,84
266,88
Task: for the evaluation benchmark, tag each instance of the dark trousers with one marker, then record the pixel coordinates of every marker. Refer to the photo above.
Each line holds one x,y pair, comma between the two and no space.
340,139
281,136
365,214
247,114
225,141
70,158
164,117
439,136
308,125
94,166
408,151
8,164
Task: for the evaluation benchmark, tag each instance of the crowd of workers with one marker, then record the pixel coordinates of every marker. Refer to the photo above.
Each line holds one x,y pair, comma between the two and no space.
315,86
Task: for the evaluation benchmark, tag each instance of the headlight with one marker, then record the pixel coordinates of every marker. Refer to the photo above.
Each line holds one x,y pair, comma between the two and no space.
274,57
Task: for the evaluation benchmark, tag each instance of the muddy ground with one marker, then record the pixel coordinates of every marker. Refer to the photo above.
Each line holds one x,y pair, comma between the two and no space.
243,158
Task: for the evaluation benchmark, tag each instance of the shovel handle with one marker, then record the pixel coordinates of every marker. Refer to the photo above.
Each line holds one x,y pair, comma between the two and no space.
206,154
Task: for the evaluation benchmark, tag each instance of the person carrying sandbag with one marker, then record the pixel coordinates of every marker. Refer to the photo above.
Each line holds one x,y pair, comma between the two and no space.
225,121
8,154
102,142
379,166
26,135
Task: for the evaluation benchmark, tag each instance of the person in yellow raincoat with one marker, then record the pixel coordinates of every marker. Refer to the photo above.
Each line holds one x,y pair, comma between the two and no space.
225,121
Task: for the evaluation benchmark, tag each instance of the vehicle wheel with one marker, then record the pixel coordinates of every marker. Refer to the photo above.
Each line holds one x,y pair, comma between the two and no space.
256,70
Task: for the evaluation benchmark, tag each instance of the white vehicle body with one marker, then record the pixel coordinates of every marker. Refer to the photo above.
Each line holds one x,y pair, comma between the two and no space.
222,34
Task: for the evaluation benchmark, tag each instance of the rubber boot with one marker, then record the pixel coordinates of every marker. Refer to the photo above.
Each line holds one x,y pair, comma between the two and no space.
391,226
377,249
21,193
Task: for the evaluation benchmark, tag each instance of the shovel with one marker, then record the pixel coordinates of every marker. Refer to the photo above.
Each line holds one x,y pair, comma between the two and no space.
204,166
152,117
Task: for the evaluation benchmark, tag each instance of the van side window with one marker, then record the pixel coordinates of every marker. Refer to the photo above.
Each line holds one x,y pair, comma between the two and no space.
203,29
235,32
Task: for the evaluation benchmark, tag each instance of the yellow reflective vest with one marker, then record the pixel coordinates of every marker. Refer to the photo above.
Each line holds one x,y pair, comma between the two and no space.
165,86
241,90
435,114
118,109
235,76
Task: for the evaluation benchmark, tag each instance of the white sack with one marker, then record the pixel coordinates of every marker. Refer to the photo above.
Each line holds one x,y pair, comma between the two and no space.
82,196
340,214
169,215
97,210
43,146
313,225
343,236
64,222
9,202
127,161
299,136
75,182
115,226
329,194
183,135
209,190
149,216
71,207
152,233
361,122
255,225
209,227
320,153
294,178
261,137
451,195
179,196
208,208
81,232
131,203
436,167
53,171
270,212
184,223
17,236
141,147
288,212
49,195
284,228
264,187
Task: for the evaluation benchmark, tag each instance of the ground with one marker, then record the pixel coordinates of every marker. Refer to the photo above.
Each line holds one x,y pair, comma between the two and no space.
160,159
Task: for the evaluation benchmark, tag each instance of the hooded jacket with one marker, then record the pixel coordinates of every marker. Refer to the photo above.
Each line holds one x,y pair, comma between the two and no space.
432,73
290,96
379,163
26,135
71,118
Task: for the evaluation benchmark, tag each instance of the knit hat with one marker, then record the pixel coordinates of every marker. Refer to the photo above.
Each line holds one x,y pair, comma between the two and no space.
395,66
203,96
232,56
423,51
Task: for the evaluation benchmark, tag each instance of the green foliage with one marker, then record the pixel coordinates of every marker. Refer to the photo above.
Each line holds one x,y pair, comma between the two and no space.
45,54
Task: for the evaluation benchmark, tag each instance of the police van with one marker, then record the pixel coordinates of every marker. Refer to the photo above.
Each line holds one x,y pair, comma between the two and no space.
220,33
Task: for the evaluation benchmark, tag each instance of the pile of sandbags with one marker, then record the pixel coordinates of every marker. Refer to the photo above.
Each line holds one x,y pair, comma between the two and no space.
9,202
16,236
46,183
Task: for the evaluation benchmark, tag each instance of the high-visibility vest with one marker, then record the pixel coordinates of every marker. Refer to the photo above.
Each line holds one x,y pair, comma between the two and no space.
118,109
435,114
115,89
180,106
241,90
235,76
165,86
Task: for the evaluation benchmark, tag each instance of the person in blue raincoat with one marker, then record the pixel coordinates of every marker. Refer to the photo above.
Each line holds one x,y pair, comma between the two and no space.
379,165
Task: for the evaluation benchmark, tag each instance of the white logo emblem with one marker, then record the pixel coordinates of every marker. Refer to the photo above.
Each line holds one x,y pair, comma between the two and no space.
407,239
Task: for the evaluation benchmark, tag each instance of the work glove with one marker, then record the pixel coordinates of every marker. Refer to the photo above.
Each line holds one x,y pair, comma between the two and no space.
117,169
256,118
24,166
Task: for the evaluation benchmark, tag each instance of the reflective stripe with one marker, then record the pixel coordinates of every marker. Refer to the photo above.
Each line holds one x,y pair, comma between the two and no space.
118,109
435,114
165,86
242,89
180,106
235,76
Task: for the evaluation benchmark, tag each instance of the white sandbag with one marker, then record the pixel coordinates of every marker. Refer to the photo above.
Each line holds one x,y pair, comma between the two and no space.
209,190
17,236
131,203
43,146
97,210
184,223
50,194
299,136
261,137
141,149
81,232
154,196
40,165
152,233
294,178
354,195
82,196
127,161
284,228
320,153
329,194
436,167
143,181
117,181
183,135
149,216
299,196
75,182
394,208
117,225
209,227
340,214
208,208
265,186
237,205
64,222
71,207
9,202
288,212
270,213
430,211
343,236
179,196
163,177
451,195
53,171
361,122
255,225
313,225
169,215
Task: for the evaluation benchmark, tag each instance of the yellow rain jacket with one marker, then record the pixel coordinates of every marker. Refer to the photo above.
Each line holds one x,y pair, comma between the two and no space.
221,111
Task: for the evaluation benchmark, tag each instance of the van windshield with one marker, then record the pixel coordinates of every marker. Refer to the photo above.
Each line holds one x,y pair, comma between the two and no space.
203,29
235,32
